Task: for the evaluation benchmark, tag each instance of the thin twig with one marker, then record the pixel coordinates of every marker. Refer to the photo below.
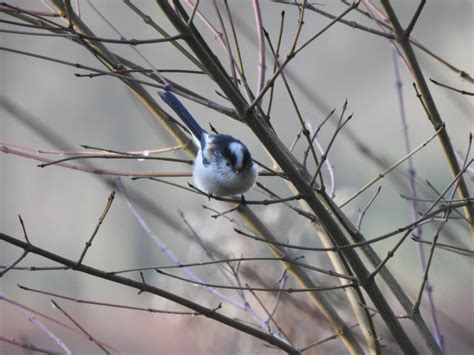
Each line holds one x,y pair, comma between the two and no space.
194,189
396,164
28,346
234,35
107,157
25,234
463,92
282,66
106,304
351,24
276,56
412,23
364,211
410,226
324,157
332,337
232,61
71,34
261,45
7,150
263,289
315,134
14,263
99,223
68,316
85,67
191,18
45,316
294,103
450,248
267,312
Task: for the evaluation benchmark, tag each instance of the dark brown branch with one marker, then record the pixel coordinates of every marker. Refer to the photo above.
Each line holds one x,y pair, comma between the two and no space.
207,312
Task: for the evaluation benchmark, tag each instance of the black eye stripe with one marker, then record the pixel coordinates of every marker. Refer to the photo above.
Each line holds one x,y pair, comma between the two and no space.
247,158
228,155
220,143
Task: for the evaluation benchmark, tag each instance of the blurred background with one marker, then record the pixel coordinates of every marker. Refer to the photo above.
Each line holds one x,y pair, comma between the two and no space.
43,105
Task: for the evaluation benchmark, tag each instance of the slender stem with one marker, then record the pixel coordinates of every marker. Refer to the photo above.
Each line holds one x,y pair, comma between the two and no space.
364,211
412,23
261,45
290,56
463,92
68,316
99,223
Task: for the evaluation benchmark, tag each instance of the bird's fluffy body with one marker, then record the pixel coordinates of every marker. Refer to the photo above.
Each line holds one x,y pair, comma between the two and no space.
223,165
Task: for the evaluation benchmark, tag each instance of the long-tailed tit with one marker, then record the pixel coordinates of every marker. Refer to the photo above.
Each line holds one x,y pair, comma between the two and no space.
223,164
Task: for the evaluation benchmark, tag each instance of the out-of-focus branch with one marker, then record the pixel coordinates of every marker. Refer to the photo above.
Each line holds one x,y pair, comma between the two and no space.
433,114
207,312
463,74
463,92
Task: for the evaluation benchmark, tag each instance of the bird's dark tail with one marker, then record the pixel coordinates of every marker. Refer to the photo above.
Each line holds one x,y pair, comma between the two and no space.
173,102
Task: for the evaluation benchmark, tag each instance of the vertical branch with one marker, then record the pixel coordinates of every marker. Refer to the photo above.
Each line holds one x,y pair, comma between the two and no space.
275,63
298,28
234,35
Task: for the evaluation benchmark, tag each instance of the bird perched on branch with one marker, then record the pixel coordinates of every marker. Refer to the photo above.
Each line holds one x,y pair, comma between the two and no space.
223,164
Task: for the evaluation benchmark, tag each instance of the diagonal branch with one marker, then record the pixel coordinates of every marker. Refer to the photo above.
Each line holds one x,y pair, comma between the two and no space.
414,19
207,312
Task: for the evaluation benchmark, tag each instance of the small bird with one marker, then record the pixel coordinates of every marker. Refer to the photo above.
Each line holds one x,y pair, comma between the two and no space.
223,164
